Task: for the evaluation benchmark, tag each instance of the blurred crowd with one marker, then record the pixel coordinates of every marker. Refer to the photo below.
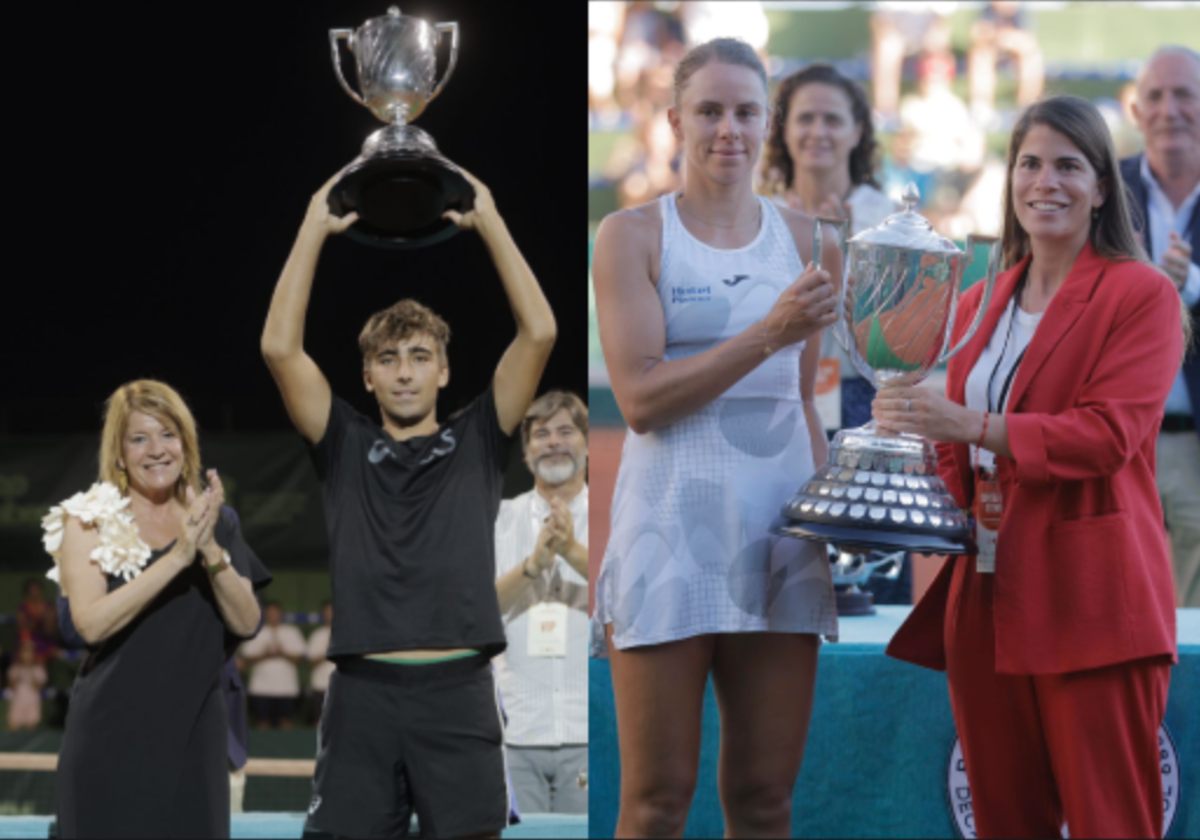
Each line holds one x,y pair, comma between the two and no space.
931,136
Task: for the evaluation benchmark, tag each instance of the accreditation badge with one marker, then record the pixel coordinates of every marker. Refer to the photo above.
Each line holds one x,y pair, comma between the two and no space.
989,509
548,630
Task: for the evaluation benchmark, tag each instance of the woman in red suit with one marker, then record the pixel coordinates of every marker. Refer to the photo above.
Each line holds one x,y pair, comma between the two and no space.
1059,636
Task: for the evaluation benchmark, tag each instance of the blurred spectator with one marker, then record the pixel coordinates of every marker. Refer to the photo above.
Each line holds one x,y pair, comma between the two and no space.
820,159
705,20
900,29
36,621
274,688
647,164
604,26
26,678
1004,28
318,647
1164,185
820,153
237,741
946,140
542,588
898,171
651,42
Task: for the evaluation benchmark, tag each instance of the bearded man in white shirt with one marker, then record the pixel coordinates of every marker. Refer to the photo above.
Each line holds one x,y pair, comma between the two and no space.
542,586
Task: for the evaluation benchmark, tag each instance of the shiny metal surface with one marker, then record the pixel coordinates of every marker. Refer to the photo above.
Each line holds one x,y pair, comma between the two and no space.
396,59
897,311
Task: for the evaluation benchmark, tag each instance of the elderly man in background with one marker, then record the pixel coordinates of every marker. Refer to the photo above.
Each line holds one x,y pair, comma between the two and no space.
1165,186
542,586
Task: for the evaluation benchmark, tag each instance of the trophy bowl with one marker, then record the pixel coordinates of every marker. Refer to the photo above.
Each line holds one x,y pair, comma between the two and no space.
401,184
881,491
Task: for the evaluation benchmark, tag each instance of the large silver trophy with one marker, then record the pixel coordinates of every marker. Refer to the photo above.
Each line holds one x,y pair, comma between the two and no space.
400,185
881,491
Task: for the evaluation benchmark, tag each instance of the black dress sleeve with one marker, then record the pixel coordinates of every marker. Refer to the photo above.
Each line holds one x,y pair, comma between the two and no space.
244,560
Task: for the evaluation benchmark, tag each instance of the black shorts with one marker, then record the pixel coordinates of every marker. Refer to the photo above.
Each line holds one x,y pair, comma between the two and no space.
401,738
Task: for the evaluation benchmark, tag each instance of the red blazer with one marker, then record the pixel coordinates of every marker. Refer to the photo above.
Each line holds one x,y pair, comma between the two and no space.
1083,576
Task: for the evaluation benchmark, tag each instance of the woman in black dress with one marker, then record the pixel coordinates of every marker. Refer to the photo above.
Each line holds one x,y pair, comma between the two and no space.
161,586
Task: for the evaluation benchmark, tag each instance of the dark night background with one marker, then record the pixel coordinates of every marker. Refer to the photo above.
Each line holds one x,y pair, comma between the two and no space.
161,159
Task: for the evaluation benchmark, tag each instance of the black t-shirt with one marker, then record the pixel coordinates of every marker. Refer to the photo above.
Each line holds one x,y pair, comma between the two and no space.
412,531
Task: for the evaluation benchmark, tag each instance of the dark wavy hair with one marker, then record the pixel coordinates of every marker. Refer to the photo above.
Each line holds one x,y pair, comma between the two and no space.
778,170
1112,233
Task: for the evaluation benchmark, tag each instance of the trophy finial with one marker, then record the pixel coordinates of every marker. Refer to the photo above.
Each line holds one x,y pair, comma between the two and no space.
394,11
911,197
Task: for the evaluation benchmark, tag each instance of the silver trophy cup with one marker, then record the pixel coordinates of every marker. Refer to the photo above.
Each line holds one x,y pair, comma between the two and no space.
897,309
400,185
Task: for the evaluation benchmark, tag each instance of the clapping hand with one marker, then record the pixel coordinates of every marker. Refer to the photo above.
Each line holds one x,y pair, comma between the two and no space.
543,551
561,525
1176,259
196,521
206,541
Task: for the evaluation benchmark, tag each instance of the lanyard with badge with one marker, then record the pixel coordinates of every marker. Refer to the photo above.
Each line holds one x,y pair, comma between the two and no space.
989,500
547,626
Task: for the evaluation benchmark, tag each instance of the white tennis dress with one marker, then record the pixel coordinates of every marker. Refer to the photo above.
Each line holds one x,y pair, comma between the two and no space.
689,552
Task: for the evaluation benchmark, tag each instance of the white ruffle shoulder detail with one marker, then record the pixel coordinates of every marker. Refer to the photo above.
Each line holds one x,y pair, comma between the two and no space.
121,550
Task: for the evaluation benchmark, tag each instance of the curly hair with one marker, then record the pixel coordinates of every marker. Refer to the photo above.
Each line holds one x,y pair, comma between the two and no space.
778,169
402,320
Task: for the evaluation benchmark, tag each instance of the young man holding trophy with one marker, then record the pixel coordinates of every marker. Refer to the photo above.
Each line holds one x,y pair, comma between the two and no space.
411,718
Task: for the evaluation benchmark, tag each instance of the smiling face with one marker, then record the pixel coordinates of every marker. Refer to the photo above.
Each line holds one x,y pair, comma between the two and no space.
721,120
151,454
1054,189
820,132
1167,109
557,449
405,378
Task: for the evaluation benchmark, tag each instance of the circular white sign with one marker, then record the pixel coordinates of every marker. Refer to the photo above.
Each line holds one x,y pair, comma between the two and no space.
959,792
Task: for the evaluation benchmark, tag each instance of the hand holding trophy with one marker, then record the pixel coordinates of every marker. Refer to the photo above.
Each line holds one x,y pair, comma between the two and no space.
880,490
400,186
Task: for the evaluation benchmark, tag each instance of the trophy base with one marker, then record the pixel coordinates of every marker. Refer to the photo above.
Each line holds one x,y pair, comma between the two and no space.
400,187
854,601
862,540
879,491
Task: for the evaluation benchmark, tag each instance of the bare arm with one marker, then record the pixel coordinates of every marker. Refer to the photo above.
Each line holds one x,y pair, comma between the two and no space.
98,613
651,392
520,370
235,598
810,364
512,584
234,594
305,389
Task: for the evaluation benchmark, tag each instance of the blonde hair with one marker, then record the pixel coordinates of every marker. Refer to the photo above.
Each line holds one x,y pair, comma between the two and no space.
163,403
402,320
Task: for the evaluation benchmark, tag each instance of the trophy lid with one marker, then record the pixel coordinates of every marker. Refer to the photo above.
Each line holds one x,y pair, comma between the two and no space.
907,229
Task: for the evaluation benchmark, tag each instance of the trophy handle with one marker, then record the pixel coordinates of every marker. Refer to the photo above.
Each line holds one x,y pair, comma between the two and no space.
336,35
441,28
993,243
843,228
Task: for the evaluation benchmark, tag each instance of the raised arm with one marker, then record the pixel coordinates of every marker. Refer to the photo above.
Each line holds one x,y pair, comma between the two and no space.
651,392
520,370
305,389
